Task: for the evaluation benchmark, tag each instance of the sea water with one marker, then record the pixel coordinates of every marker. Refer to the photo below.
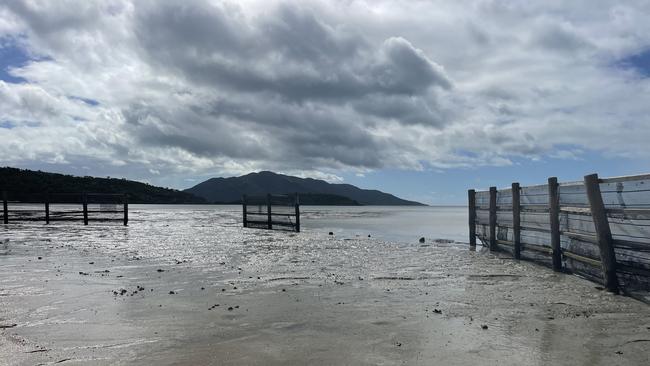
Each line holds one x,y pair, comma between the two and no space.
406,224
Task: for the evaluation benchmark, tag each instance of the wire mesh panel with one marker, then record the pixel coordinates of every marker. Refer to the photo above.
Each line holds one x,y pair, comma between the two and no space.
534,196
504,199
573,194
482,200
627,200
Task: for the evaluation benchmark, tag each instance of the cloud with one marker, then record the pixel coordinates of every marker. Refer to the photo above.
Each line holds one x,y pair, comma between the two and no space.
158,89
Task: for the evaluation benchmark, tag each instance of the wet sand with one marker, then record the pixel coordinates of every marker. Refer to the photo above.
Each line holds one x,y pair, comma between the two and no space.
222,295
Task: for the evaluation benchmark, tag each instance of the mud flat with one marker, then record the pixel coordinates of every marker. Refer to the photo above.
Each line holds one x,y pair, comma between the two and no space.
210,292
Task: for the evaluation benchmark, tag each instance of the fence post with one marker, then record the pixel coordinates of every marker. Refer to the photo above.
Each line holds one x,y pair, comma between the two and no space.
5,209
554,218
516,220
85,208
493,218
471,198
244,207
126,209
47,208
603,233
268,211
297,213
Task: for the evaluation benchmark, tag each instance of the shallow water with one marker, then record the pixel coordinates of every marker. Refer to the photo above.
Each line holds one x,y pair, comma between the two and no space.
395,223
307,298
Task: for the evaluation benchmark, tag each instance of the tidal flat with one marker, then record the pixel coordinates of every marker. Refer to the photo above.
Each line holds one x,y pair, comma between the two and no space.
193,287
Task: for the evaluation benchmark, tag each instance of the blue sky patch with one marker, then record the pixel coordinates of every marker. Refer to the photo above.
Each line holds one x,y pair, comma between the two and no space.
88,101
640,62
7,124
11,55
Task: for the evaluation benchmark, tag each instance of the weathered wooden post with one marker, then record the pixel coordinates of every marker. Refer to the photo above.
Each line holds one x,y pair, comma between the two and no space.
5,209
243,208
471,198
554,219
47,208
126,209
268,211
516,220
85,208
297,213
603,233
493,218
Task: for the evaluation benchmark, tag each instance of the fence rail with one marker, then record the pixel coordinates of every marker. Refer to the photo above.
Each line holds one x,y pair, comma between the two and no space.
597,228
51,207
271,212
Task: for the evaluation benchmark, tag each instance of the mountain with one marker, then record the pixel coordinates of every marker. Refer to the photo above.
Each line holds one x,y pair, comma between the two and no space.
23,184
231,189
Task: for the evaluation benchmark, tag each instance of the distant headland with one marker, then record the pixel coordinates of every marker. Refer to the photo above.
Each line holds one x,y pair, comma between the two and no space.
23,182
312,191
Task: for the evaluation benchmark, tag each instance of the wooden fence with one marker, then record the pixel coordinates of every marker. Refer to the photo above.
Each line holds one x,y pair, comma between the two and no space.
271,212
51,207
597,228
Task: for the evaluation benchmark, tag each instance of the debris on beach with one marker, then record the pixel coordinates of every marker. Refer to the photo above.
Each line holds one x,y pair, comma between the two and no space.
331,233
7,326
484,326
160,270
443,241
172,292
38,350
422,240
121,292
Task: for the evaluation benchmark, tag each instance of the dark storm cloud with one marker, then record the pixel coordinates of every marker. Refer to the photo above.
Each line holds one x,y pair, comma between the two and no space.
289,53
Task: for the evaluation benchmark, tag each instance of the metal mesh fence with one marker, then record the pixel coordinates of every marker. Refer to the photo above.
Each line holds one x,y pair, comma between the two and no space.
627,206
53,207
272,212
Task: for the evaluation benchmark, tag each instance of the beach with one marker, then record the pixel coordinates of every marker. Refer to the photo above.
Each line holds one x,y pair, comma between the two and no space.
192,286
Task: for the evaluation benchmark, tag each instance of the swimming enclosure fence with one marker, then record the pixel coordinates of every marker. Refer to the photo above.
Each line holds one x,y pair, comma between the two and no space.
597,228
272,212
51,207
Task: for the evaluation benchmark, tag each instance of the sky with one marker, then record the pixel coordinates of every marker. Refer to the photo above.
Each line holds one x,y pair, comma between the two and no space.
422,99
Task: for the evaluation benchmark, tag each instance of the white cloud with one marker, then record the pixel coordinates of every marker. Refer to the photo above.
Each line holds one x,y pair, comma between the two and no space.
319,87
